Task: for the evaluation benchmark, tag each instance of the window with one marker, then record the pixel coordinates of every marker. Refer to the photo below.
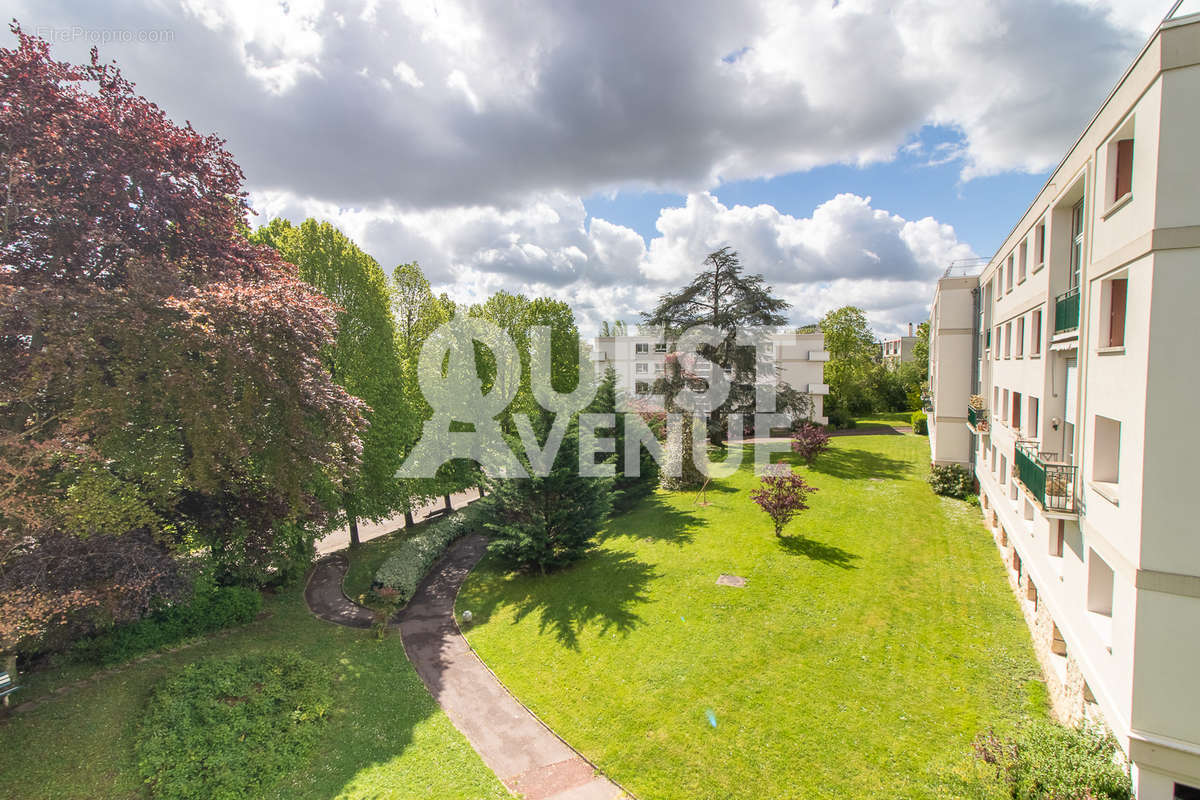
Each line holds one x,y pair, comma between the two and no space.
1035,333
1016,412
1184,792
1076,243
641,387
641,347
1032,421
1100,585
1057,538
1022,259
1039,246
1003,470
1008,340
1124,169
1112,299
658,369
1106,458
641,368
995,398
997,337
660,347
1009,270
1004,408
1021,338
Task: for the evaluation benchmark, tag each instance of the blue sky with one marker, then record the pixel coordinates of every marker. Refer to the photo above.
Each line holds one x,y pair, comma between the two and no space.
597,152
982,210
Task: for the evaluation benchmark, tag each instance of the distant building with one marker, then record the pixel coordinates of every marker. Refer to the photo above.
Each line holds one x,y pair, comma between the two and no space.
1063,372
894,352
639,361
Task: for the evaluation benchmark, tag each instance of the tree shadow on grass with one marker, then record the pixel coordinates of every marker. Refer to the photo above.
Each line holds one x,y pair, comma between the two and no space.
653,519
818,551
602,593
852,464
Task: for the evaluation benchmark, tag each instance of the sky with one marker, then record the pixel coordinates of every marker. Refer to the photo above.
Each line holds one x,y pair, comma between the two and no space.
849,150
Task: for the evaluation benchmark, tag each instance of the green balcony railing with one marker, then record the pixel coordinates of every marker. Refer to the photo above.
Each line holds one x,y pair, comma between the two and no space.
978,419
1066,311
1045,477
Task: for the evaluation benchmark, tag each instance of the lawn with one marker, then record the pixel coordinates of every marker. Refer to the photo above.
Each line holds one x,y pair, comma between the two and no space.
386,737
861,658
901,418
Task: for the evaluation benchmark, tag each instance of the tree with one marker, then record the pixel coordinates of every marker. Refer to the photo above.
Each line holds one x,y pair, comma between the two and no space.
155,365
782,495
921,350
626,489
364,359
721,296
546,522
851,346
418,313
809,442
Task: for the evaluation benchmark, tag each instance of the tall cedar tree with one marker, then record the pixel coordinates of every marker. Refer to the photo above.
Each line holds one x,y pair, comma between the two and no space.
546,523
721,296
364,359
627,489
156,367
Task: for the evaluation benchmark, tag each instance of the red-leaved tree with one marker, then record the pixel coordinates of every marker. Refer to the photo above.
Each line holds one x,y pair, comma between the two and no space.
782,494
809,442
161,380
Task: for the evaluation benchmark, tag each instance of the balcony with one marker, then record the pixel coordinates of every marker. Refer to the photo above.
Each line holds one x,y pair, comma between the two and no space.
818,355
977,420
1046,478
1066,311
818,388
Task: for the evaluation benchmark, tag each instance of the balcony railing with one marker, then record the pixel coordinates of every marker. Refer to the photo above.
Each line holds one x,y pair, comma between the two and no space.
1047,479
1066,311
978,419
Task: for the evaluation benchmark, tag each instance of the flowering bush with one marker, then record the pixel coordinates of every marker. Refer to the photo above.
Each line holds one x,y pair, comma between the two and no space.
782,495
809,442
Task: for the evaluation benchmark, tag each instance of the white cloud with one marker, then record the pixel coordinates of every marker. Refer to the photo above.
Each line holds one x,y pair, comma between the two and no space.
847,252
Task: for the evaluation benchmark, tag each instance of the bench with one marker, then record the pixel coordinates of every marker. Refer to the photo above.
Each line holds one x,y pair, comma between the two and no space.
7,686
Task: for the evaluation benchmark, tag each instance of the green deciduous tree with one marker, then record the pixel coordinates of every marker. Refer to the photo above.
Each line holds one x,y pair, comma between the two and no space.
364,358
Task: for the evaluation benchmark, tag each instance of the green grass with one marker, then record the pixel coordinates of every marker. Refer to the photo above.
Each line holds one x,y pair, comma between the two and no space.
903,418
860,660
386,737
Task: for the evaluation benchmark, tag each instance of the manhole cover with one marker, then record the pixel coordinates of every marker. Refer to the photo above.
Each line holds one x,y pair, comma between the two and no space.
731,580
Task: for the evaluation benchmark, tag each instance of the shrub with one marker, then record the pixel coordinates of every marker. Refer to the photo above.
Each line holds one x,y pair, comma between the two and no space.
1049,761
210,609
782,495
840,420
401,573
809,442
951,480
226,728
972,500
920,423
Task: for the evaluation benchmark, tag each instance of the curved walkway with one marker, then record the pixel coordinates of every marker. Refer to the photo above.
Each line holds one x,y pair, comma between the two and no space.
325,597
527,757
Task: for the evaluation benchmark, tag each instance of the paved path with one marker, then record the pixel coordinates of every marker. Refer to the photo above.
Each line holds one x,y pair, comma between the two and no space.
526,755
325,597
340,539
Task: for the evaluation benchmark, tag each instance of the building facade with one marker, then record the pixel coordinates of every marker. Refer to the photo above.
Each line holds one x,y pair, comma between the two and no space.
899,350
1063,373
639,361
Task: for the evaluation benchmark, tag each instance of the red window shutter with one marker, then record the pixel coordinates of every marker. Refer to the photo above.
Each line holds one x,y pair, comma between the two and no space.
1116,318
1124,168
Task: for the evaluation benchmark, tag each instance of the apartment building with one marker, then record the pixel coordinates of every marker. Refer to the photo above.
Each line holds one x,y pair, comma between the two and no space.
899,350
1064,372
639,360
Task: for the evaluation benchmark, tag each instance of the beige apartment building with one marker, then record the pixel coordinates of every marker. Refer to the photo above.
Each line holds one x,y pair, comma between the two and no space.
639,360
1065,373
898,350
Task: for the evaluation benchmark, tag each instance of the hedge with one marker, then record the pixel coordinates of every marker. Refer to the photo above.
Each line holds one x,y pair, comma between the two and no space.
404,569
229,728
209,610
920,423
